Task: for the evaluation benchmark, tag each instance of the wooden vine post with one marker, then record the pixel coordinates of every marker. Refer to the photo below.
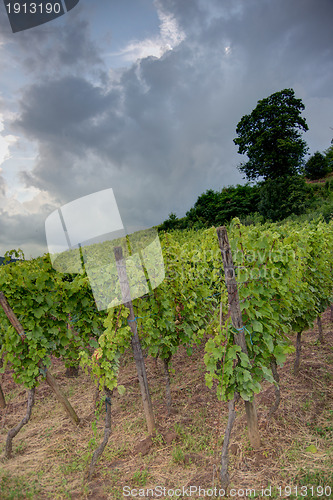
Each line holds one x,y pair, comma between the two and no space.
49,378
136,346
237,323
2,396
2,399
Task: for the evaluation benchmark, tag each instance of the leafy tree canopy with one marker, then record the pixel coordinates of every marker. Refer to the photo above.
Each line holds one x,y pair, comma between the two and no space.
271,137
329,157
316,166
282,197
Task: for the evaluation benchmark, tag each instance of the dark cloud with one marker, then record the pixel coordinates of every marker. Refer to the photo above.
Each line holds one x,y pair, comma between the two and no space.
23,231
64,45
163,133
54,108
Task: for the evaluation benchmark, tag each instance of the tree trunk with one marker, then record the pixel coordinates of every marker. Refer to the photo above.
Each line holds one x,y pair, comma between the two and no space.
320,330
276,388
237,322
298,352
136,346
13,432
224,474
107,433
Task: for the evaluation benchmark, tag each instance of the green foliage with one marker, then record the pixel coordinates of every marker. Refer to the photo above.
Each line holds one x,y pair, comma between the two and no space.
178,455
285,278
11,487
140,476
42,300
329,157
173,223
214,208
13,254
237,201
271,138
205,209
282,197
105,361
317,166
176,312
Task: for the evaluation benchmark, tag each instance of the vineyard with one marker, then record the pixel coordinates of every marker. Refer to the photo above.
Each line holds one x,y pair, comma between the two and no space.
227,323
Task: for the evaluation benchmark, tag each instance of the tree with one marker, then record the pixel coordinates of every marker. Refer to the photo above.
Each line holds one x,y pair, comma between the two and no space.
282,197
316,166
271,137
329,157
205,208
172,223
214,208
237,201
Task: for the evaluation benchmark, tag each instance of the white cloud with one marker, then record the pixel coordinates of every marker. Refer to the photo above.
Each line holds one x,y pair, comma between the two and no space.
160,130
171,33
169,37
6,141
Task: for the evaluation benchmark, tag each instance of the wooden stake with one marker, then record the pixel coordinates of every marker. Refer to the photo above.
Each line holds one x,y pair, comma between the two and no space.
2,399
62,398
136,346
11,316
237,323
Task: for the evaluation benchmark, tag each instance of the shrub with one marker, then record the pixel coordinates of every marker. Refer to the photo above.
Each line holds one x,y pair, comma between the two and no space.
280,198
316,166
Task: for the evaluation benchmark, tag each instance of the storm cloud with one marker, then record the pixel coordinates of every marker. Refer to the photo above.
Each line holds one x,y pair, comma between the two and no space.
160,130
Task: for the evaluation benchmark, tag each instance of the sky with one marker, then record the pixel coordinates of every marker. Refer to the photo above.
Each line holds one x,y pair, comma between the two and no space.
144,96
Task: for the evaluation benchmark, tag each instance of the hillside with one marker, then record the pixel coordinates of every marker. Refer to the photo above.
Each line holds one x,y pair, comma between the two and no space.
308,199
50,455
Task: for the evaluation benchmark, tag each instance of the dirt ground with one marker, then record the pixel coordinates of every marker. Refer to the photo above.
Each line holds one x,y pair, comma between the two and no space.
51,455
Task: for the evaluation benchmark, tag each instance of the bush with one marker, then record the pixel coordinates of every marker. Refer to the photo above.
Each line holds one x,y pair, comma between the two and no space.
214,208
280,198
172,223
316,167
329,157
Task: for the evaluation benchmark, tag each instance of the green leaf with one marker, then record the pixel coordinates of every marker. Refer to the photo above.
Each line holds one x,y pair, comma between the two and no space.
257,326
311,449
121,389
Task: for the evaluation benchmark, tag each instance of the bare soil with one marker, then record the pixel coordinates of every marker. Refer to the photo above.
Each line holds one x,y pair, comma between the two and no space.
51,455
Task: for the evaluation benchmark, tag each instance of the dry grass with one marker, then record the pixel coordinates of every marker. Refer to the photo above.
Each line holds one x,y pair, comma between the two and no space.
51,455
